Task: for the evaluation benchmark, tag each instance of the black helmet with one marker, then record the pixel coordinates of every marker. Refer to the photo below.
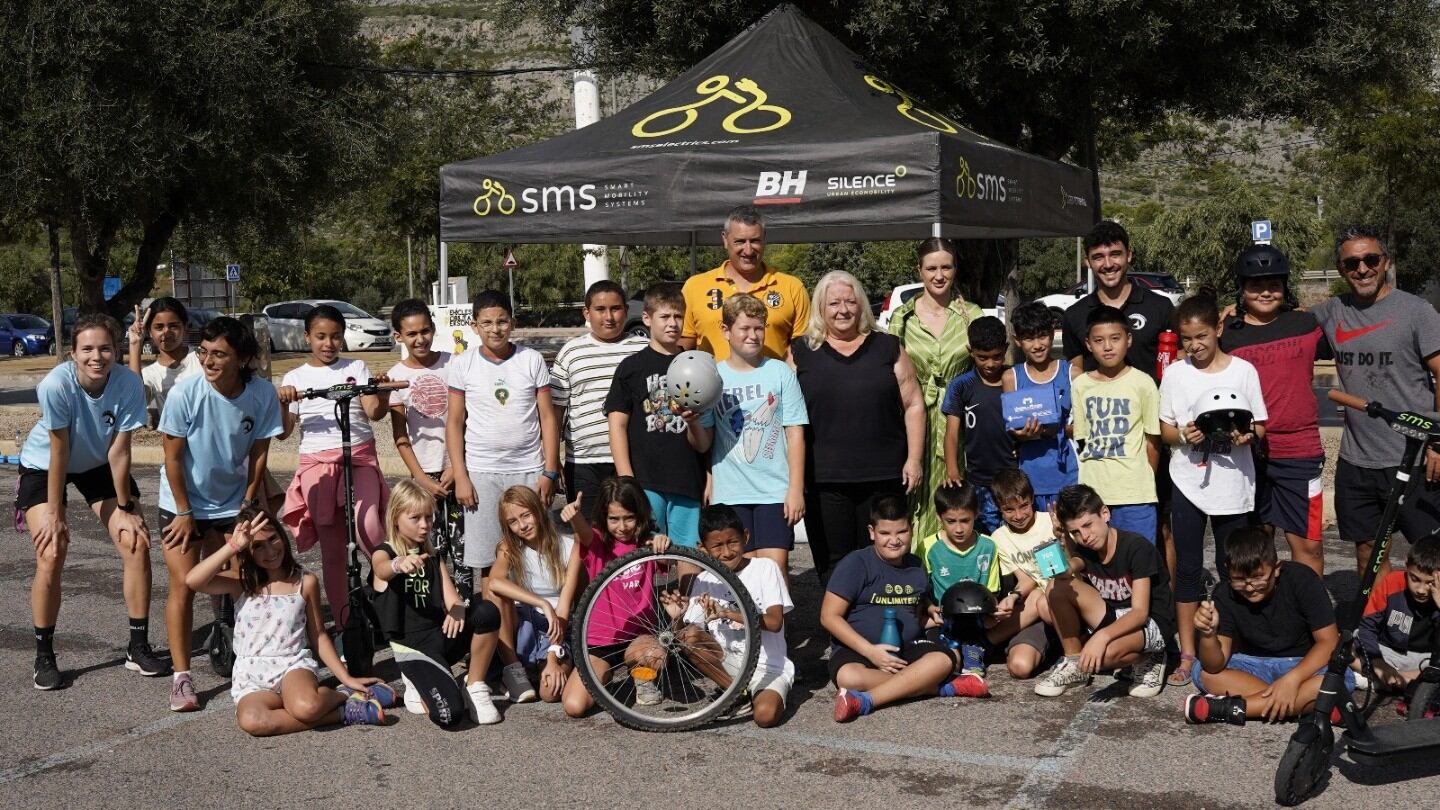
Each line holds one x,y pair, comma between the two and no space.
967,599
1259,261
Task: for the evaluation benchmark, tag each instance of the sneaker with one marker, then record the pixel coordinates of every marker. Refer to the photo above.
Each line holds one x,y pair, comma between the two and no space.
140,658
414,704
382,693
647,693
1361,682
517,684
970,685
1214,709
182,695
847,706
482,704
47,675
1147,676
362,713
1061,677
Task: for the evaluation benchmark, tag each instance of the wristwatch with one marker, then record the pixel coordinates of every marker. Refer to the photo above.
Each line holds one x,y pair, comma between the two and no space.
128,508
553,475
557,650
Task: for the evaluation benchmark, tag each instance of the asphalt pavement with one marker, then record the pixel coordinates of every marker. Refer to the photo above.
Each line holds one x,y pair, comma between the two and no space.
110,740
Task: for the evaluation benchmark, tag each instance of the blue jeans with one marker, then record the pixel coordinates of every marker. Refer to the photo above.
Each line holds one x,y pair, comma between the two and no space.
1135,517
987,519
1266,669
532,644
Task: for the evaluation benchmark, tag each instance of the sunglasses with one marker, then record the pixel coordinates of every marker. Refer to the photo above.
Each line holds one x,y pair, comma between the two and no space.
1352,263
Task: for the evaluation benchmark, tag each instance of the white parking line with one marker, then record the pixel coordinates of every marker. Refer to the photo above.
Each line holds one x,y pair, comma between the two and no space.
1049,771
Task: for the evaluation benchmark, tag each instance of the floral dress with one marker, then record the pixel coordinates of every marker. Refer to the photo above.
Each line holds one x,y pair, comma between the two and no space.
937,360
270,640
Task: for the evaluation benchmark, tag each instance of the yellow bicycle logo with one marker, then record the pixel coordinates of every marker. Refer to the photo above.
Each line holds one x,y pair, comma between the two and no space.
504,200
965,185
717,87
907,107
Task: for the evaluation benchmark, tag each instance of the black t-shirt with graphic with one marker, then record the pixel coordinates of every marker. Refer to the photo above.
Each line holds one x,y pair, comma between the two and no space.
1134,558
660,454
1281,626
420,595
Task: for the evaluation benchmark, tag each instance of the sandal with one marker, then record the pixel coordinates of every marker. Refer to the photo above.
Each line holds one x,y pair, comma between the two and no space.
1180,676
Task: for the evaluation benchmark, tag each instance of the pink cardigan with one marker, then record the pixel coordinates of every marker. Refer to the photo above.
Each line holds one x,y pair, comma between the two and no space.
316,497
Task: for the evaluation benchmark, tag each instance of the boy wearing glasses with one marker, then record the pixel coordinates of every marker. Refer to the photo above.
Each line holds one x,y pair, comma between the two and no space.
1264,640
1387,348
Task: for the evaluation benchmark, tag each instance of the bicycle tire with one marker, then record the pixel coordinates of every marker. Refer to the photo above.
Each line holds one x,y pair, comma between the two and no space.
668,718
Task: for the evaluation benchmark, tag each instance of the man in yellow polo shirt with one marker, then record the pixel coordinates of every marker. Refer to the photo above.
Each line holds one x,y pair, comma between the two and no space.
744,271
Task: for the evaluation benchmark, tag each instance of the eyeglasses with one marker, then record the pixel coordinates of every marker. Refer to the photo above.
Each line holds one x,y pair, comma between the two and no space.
1253,583
1352,263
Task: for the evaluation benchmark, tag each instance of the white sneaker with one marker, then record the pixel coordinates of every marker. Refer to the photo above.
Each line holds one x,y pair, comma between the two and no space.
1361,682
517,684
1061,678
413,703
482,704
647,693
1147,676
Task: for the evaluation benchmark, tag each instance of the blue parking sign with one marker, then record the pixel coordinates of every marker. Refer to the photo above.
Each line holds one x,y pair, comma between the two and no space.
1261,232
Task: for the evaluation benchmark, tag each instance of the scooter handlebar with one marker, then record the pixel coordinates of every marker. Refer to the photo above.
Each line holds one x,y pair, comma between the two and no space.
1348,400
350,390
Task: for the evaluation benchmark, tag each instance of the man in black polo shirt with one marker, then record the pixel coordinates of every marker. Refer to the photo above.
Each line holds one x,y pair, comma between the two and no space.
1107,252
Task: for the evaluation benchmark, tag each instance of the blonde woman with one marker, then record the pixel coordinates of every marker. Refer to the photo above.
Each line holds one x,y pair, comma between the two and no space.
866,435
429,626
539,572
933,328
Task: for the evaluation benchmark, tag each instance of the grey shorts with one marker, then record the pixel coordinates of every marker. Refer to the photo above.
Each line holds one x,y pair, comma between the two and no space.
482,524
1404,661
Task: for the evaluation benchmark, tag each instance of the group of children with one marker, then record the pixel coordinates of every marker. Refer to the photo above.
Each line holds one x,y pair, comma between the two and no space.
1056,517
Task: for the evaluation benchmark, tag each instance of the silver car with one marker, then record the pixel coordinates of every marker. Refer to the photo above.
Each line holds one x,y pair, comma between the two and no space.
363,331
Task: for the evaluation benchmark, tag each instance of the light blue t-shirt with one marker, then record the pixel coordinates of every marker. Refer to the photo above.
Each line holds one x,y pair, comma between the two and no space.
749,458
218,432
93,422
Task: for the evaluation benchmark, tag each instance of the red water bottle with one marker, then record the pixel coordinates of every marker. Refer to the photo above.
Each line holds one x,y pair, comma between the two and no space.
1169,352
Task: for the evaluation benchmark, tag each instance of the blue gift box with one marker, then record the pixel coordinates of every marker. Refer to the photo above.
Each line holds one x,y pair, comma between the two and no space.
1038,402
1051,559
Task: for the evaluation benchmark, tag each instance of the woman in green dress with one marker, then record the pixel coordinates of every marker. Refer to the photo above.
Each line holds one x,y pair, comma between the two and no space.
933,327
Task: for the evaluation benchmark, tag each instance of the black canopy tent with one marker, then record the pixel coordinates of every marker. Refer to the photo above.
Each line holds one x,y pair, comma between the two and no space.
784,116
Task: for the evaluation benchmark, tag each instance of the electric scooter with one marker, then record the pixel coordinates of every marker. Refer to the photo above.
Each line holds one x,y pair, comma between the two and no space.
357,637
1305,766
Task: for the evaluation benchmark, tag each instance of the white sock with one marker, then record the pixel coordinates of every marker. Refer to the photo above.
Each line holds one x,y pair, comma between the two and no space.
185,673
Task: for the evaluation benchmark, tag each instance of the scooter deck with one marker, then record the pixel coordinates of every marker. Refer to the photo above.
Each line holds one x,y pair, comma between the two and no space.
1383,745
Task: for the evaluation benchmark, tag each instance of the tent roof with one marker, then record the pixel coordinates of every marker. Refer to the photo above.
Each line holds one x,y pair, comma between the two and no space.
783,116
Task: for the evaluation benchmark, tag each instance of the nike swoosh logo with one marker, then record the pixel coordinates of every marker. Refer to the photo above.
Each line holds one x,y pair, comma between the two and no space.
1343,336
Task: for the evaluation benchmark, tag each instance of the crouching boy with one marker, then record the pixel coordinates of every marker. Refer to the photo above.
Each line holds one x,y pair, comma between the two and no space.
1120,592
1397,632
863,587
1264,640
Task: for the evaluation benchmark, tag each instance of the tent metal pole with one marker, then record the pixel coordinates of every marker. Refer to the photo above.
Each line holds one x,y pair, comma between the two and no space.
935,230
694,258
442,293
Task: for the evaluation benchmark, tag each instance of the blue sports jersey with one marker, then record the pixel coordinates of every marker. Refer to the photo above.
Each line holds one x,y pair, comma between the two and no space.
93,422
1049,462
218,433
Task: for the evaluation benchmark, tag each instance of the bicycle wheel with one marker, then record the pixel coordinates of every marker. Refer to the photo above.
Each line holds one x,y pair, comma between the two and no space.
655,672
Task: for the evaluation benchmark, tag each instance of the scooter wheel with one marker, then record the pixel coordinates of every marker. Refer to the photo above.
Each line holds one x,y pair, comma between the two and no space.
1306,764
1423,700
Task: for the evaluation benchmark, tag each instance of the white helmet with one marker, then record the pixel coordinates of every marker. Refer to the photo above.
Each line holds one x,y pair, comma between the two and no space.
692,382
1220,411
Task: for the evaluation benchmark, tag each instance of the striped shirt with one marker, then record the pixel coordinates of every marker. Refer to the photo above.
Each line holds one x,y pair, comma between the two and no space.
579,381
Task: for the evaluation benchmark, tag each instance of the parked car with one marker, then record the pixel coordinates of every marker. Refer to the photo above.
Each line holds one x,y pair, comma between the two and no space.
24,334
363,331
1162,283
634,317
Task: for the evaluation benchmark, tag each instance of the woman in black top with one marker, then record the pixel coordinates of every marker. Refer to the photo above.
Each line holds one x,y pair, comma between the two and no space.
867,419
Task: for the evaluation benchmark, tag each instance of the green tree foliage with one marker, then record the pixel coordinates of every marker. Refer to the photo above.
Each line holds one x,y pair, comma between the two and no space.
125,118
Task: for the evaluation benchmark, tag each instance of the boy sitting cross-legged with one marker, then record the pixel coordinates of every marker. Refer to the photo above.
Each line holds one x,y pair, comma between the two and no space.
960,553
1265,639
863,587
1120,591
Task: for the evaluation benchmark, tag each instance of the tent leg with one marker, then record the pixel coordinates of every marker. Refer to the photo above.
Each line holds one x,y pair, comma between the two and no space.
694,259
442,294
935,230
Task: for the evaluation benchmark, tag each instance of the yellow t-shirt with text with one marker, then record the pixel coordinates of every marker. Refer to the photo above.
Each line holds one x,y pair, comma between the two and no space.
787,308
1113,417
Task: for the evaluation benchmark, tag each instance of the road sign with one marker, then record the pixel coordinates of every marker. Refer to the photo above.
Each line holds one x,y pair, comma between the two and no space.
1261,232
112,286
510,258
232,273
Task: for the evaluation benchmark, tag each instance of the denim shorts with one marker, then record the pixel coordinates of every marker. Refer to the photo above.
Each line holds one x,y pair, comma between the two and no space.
1265,668
676,517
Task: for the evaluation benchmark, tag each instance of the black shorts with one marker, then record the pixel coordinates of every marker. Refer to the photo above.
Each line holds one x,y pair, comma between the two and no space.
766,525
912,652
203,527
1039,636
1360,499
95,485
1289,494
581,478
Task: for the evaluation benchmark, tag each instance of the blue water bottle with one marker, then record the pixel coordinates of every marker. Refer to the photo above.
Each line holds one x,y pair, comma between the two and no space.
890,633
